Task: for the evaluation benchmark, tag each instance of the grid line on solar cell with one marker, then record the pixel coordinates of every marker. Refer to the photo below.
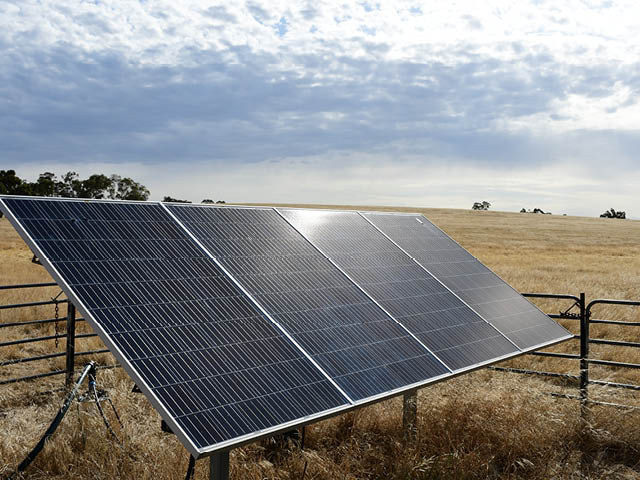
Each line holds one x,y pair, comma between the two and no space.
405,290
268,260
169,344
486,293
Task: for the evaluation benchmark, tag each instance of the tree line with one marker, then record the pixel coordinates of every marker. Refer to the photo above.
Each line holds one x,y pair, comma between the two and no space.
70,185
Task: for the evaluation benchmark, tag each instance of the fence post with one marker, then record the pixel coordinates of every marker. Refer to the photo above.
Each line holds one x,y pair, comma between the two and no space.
410,414
584,359
71,343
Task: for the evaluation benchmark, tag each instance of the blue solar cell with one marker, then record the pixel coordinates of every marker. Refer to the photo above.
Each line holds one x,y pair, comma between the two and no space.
213,364
498,303
355,342
437,317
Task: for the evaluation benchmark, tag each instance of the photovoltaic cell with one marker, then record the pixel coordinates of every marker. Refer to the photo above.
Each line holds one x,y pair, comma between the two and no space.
355,342
215,366
437,317
475,284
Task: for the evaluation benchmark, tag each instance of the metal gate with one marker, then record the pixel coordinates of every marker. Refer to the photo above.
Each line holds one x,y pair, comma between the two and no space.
578,311
69,335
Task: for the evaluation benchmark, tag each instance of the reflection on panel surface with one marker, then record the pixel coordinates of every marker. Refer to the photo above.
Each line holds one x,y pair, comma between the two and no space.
438,318
215,363
474,283
350,337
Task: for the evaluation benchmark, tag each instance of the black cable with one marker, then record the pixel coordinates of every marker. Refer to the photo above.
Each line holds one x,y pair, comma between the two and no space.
89,367
115,412
190,468
96,397
92,386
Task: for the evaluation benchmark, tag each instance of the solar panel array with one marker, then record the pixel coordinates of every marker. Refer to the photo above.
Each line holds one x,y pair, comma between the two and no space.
240,322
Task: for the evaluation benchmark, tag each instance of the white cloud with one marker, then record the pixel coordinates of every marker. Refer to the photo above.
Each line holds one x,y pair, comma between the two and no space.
497,91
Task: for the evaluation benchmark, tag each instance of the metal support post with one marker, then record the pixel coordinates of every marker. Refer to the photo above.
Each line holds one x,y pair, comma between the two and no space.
71,344
410,414
219,466
584,359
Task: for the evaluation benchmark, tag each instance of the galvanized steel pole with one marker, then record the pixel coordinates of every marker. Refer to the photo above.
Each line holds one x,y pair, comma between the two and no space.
410,414
584,359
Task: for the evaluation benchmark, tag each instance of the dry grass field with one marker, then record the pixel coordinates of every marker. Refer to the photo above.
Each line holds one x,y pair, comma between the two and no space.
482,425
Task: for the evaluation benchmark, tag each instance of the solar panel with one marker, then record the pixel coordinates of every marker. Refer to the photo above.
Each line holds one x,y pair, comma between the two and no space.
212,364
354,341
241,322
437,317
475,284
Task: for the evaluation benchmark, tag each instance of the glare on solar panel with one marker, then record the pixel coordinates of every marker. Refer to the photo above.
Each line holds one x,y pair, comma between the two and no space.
359,346
436,316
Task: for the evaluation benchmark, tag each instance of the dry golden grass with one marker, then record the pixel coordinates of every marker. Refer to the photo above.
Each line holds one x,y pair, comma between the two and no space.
482,425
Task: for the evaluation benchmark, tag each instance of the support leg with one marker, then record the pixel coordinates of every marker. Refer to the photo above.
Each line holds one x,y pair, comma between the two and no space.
410,414
584,362
219,466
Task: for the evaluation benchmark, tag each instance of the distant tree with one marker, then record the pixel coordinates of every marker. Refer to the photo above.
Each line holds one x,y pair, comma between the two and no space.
174,200
96,186
614,214
481,205
45,186
127,189
11,184
535,210
220,201
207,200
70,185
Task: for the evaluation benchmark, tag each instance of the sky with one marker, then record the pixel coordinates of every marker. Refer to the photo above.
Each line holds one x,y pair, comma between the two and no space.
432,104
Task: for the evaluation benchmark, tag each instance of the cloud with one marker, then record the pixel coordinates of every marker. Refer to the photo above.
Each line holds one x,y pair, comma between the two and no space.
239,87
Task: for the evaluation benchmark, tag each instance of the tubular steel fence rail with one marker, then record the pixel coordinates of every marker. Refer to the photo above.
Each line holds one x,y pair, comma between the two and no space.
579,310
584,313
69,335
